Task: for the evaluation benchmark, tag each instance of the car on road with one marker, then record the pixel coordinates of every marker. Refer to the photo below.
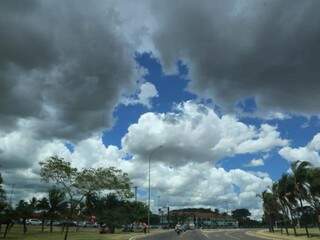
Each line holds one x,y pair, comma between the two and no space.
87,224
69,223
54,223
34,222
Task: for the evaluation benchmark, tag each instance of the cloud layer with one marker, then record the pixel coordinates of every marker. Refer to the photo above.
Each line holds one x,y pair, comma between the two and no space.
183,170
191,184
63,66
236,49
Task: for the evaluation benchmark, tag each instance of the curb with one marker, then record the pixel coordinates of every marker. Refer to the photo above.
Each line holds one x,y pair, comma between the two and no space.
259,234
263,235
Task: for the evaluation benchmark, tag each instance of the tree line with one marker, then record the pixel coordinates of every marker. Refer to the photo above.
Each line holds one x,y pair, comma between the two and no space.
294,200
103,194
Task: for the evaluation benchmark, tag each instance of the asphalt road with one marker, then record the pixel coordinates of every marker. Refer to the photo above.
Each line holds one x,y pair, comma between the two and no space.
237,234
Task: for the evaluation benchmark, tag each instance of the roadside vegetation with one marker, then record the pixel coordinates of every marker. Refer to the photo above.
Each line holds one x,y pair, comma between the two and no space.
78,203
35,233
292,203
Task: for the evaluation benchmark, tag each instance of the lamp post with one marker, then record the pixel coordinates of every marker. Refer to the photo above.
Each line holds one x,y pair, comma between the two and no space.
149,180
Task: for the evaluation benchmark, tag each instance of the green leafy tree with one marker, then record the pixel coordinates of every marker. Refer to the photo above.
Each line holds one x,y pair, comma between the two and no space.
242,215
111,211
56,205
24,211
3,199
43,207
79,183
7,217
137,211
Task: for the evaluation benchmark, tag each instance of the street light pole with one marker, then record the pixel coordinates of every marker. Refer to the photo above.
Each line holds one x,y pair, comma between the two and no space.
149,182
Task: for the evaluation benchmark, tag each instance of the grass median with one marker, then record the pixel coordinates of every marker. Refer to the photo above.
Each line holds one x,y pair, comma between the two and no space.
35,233
301,234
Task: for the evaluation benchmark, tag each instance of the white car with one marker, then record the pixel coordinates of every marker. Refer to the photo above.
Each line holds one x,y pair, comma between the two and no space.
87,224
34,222
192,226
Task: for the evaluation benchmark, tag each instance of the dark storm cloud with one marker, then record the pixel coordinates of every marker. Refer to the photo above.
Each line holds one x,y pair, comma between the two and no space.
266,49
63,65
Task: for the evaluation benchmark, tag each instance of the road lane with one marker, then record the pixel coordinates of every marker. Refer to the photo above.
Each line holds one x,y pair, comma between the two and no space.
229,234
232,234
193,235
171,235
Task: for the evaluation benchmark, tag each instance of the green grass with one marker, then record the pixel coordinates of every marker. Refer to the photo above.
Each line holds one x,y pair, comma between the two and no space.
314,232
34,233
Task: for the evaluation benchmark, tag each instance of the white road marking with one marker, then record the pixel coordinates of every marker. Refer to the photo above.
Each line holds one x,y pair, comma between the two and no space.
204,234
228,235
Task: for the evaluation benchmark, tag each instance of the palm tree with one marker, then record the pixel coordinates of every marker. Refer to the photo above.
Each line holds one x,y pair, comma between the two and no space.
313,180
287,198
270,207
299,173
57,204
277,192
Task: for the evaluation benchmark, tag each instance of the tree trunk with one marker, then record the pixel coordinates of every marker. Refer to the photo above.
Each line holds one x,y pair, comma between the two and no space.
270,224
67,231
293,222
9,225
24,226
294,230
287,231
51,223
318,218
6,230
42,225
305,225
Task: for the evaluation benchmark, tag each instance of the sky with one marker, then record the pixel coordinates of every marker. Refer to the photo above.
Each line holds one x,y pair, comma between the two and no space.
224,94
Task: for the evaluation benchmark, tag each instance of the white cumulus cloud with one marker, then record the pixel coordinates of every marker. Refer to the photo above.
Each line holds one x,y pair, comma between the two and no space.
144,97
255,163
194,132
309,153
